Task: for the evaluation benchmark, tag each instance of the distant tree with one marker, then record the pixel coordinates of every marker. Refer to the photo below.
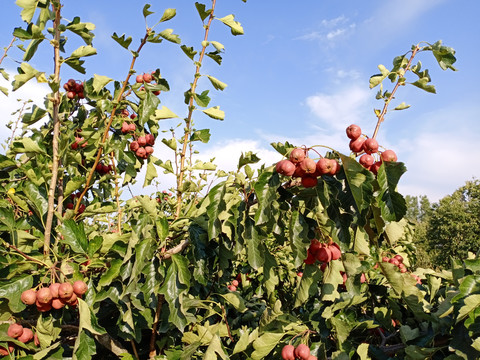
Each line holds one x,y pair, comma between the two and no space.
418,208
453,227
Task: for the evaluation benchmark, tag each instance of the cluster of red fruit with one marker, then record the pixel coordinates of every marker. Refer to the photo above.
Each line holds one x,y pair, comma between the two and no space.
165,195
147,78
71,203
234,285
360,144
20,333
103,169
300,165
322,252
143,146
301,352
74,88
397,260
56,296
79,141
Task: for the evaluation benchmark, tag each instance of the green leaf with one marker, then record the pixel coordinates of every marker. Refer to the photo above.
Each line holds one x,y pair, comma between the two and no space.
25,73
84,30
472,302
112,273
402,106
168,34
73,185
235,300
255,247
218,45
444,55
215,113
235,27
423,84
121,40
99,82
29,7
74,236
297,234
164,113
201,135
168,14
392,204
38,198
247,158
171,143
48,329
88,319
85,347
216,205
377,79
31,49
217,84
84,51
201,11
151,172
33,116
189,51
202,99
308,285
12,289
265,344
147,107
147,12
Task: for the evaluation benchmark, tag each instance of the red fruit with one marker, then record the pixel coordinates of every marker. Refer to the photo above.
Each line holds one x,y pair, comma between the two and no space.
363,278
374,168
54,289
44,296
354,131
142,141
139,79
344,276
309,181
315,245
57,304
125,127
299,274
325,166
324,254
308,165
71,95
133,116
81,95
36,341
125,113
376,266
288,352
297,155
370,146
388,155
403,268
235,282
66,87
385,259
335,167
65,291
399,258
134,146
310,259
74,146
141,153
15,330
394,261
149,150
150,139
99,168
312,357
302,351
298,171
366,160
357,144
71,84
156,92
232,287
72,300
147,78
4,351
78,87
79,287
335,250
28,297
323,267
81,208
132,127
285,167
26,336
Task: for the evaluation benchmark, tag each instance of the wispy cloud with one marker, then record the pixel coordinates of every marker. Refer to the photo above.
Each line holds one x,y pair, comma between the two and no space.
330,30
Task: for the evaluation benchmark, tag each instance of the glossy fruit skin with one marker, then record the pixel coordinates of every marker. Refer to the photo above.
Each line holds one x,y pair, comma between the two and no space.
150,139
309,181
297,155
142,141
288,352
335,250
325,166
335,167
357,144
65,291
285,167
399,258
354,132
54,289
28,297
388,155
324,254
134,146
302,351
26,336
370,146
139,79
147,77
141,152
44,296
57,303
308,165
315,245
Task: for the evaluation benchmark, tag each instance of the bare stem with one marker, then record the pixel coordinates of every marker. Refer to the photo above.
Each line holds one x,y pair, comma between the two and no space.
191,107
7,48
381,117
117,194
107,128
56,132
160,300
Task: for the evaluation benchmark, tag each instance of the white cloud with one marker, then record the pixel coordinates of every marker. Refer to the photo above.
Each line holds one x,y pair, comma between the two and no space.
330,30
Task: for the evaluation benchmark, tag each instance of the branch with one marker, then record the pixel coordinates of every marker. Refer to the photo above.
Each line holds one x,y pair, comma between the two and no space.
7,48
175,250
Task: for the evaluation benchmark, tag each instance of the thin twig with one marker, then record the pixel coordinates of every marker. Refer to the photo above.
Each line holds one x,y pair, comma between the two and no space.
160,301
117,194
7,48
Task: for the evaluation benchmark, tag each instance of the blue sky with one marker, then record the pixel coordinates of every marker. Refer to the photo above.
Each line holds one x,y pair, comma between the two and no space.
300,74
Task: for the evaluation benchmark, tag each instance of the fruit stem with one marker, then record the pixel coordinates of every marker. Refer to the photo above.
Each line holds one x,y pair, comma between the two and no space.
7,245
381,117
112,116
191,107
56,132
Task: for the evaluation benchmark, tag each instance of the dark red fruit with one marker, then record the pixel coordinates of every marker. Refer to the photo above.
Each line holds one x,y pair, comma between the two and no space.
357,144
370,146
324,254
134,146
297,155
376,165
335,250
315,245
335,167
309,181
150,139
399,258
288,352
354,132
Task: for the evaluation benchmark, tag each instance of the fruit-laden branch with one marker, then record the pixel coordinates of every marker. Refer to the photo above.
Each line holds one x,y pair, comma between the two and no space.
191,107
112,115
400,81
56,131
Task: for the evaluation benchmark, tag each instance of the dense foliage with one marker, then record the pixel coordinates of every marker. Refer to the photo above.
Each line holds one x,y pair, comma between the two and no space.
233,271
